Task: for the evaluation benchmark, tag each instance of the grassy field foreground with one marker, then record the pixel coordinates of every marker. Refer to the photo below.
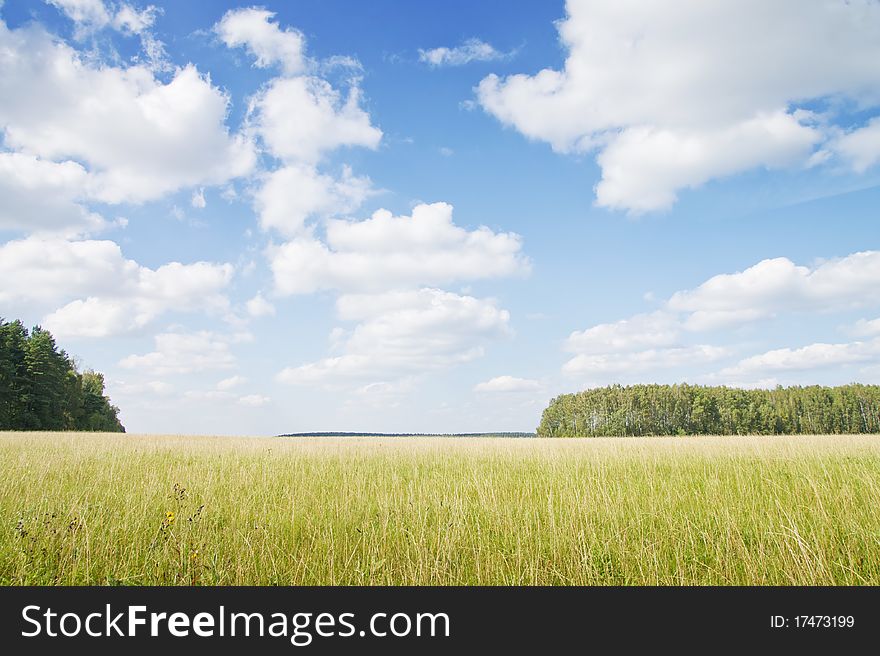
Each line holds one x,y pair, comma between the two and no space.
127,509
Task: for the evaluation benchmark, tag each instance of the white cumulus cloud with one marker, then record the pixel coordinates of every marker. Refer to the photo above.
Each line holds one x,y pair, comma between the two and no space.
866,327
258,306
45,197
299,118
673,94
508,384
92,15
860,147
231,382
137,137
387,252
325,119
254,400
253,28
295,193
602,366
779,285
100,291
405,333
184,353
771,288
641,331
813,356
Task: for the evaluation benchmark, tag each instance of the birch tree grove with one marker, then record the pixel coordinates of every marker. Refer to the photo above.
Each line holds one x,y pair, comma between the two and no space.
699,410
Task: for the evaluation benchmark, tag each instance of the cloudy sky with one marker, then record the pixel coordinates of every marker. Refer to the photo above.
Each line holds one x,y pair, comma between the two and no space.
385,216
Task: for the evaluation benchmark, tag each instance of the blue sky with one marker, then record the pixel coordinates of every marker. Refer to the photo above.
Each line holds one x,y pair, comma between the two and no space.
435,217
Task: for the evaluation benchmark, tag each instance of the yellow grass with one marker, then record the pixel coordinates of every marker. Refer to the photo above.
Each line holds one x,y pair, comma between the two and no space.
128,509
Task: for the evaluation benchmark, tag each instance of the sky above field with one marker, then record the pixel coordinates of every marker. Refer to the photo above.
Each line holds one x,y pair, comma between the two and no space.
436,216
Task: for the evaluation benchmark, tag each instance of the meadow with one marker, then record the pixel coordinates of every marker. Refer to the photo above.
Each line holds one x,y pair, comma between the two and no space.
78,508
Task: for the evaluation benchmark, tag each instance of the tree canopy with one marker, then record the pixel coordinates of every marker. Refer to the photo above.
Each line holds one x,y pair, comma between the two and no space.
41,389
700,410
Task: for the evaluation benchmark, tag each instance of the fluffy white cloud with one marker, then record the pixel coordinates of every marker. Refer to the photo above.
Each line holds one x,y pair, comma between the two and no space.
813,356
643,167
137,390
324,119
406,333
254,400
137,137
254,29
861,147
469,51
98,317
104,293
641,331
773,287
386,252
260,307
231,382
90,15
609,352
294,193
599,367
129,19
675,93
183,353
508,384
223,390
41,196
866,328
779,285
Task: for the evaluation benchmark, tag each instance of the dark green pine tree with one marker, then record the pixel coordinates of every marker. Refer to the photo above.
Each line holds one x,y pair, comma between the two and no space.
41,389
15,387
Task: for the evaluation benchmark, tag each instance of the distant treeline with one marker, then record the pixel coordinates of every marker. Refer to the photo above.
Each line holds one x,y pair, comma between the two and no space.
40,388
699,410
355,434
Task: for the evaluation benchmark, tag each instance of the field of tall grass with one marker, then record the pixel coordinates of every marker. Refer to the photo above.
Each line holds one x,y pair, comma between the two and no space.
131,510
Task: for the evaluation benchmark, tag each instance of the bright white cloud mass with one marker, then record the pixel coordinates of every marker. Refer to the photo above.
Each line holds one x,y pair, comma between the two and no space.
183,353
134,137
670,95
387,252
508,384
779,285
45,196
97,292
317,195
401,333
761,292
255,30
266,219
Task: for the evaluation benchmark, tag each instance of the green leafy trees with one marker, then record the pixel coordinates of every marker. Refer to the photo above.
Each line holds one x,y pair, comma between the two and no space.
40,388
698,410
98,414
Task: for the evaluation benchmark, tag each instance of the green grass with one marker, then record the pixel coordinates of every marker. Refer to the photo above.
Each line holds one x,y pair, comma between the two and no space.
91,509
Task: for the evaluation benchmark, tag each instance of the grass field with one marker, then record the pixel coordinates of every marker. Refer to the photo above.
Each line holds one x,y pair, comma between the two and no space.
127,509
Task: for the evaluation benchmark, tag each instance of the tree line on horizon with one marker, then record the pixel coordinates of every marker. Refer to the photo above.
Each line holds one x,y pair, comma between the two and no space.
41,389
634,410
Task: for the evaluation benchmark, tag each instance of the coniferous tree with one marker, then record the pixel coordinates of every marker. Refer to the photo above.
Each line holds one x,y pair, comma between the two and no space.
41,389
